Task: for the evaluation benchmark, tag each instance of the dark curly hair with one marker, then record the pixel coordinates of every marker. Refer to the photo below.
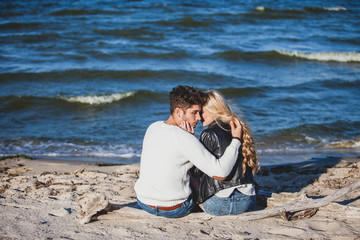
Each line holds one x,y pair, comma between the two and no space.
184,97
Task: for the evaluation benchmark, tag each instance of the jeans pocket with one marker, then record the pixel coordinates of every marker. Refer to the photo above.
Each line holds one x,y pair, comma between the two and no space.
216,206
243,203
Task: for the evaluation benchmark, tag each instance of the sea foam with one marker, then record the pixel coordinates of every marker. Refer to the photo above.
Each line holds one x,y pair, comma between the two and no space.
326,56
335,8
100,99
66,149
344,144
260,8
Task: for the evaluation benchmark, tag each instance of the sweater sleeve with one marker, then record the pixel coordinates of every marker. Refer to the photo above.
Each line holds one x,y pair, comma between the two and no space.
204,160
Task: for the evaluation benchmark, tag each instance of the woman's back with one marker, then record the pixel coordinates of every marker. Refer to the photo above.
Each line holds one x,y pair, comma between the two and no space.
216,139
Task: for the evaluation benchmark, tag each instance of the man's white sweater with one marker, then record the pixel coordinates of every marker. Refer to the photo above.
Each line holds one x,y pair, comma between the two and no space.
168,153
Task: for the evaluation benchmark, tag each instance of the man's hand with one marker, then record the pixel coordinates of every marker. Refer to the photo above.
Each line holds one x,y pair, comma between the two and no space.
187,127
236,128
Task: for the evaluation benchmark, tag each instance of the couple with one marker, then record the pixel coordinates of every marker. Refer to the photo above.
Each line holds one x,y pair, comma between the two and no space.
178,171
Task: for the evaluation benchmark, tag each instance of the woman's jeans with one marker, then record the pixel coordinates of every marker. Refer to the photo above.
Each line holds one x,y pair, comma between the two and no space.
182,211
236,203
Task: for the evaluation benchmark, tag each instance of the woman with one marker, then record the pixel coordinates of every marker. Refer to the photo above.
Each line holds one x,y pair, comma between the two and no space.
236,193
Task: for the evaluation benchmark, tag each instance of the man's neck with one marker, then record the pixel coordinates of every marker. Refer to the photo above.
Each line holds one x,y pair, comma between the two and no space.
171,121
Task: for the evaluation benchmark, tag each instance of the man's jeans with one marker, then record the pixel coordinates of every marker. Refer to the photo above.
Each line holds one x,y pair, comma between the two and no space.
182,211
236,203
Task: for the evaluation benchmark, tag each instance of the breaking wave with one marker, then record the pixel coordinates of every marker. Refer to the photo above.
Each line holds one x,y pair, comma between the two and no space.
70,149
304,10
344,144
335,8
100,99
326,57
283,55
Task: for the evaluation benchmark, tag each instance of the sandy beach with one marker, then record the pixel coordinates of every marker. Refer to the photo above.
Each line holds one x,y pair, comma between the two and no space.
52,199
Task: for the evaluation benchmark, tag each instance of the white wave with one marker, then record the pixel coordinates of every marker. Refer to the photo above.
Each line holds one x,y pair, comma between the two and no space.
344,144
70,150
310,139
260,8
100,99
282,149
335,8
84,155
326,56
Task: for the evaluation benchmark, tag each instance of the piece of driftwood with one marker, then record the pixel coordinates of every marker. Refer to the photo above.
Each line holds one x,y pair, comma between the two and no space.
290,216
92,205
37,184
298,206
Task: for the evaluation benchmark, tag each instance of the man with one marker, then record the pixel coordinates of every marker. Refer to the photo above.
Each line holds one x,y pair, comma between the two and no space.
169,151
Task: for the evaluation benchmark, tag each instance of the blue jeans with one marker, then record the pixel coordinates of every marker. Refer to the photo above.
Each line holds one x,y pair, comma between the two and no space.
236,203
182,211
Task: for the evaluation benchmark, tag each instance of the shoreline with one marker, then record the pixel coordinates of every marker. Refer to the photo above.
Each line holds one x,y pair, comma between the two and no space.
48,198
266,158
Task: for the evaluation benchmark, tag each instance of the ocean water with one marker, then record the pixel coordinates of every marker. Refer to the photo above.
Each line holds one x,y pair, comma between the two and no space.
83,79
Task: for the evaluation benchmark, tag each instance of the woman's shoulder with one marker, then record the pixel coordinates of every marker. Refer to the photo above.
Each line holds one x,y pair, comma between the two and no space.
217,133
214,131
211,130
218,129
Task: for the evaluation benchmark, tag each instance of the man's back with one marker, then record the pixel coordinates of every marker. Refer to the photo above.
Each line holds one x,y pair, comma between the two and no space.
164,166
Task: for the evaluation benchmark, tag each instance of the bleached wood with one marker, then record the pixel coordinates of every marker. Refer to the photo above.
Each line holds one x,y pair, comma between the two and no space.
298,206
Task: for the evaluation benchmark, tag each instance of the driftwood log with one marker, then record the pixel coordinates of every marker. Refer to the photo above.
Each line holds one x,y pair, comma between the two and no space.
298,206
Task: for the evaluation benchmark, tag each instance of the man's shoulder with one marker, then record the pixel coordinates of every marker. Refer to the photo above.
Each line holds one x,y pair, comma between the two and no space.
157,124
160,126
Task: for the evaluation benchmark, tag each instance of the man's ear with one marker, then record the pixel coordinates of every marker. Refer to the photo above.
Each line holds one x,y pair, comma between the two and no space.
179,112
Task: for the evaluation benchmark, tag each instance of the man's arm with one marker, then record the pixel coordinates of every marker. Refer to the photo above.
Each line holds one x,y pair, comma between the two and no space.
207,162
211,142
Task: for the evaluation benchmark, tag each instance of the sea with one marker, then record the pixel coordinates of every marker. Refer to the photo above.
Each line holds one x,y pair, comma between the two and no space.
83,79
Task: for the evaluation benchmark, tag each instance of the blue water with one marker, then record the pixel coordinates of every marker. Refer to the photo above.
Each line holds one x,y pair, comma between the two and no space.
83,79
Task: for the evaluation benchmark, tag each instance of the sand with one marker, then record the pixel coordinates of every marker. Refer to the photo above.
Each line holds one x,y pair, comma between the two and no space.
50,199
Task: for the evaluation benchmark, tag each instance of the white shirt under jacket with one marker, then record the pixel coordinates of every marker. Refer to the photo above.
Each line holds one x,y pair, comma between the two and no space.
168,153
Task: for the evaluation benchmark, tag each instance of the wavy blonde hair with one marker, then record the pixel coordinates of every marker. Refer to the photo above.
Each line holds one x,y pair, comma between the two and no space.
222,112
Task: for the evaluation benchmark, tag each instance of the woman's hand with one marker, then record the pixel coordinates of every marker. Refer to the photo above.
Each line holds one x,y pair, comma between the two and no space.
187,127
236,128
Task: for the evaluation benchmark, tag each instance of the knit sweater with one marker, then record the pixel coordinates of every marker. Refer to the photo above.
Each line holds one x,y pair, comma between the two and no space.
168,153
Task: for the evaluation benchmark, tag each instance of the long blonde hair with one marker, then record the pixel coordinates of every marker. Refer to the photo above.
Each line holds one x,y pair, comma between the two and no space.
221,110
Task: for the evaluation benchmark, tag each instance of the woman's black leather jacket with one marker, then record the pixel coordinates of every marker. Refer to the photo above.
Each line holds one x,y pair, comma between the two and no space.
216,140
